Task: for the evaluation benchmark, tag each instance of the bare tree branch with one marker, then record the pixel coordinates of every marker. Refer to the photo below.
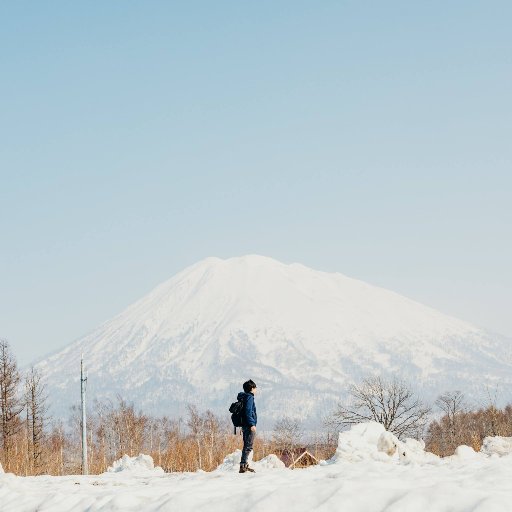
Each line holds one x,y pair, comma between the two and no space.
392,404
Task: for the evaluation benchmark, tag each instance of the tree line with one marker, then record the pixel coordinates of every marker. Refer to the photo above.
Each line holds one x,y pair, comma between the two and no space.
32,443
393,404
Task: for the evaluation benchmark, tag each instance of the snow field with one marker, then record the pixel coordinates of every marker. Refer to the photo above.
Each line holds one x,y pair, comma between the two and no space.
368,473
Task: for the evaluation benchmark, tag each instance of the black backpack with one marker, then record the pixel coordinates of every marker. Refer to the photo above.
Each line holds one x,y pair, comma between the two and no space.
236,409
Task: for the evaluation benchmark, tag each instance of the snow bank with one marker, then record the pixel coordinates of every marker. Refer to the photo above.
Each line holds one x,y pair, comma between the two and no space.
387,443
468,481
1,468
497,446
464,453
270,462
370,441
143,464
232,462
413,451
362,442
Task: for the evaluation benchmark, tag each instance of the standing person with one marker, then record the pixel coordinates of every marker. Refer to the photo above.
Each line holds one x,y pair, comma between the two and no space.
249,421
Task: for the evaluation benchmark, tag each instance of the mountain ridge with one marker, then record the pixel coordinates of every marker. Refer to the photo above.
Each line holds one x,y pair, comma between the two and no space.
301,333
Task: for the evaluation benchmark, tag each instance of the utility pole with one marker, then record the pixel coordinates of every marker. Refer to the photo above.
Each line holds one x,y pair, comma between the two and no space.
83,382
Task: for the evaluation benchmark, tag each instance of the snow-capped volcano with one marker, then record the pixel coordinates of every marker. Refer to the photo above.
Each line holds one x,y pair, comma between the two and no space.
301,334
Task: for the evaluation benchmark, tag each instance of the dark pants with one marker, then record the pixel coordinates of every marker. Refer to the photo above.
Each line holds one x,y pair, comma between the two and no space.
249,436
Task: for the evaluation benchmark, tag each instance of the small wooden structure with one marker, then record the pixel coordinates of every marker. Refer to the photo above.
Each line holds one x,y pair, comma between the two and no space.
298,458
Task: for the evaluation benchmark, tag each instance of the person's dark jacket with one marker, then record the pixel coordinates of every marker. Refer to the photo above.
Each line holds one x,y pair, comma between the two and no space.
249,416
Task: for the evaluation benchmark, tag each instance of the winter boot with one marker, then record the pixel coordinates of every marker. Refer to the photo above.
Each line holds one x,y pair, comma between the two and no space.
244,468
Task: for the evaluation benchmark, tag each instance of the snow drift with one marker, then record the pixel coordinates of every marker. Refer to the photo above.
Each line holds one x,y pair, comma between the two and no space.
371,442
142,464
366,474
232,462
497,446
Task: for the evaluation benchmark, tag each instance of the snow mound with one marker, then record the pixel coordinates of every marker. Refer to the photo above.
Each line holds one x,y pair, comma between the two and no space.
361,443
1,469
413,451
464,452
371,441
270,462
387,443
232,462
497,446
143,464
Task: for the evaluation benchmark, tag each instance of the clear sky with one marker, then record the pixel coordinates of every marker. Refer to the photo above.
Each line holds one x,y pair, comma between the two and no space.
136,138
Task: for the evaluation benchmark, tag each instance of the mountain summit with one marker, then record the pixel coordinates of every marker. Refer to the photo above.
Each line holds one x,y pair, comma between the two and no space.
301,334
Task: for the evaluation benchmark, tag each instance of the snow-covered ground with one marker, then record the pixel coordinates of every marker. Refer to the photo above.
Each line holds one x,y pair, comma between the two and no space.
371,472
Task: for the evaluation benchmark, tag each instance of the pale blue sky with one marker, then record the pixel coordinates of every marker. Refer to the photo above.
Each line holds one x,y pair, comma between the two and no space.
369,138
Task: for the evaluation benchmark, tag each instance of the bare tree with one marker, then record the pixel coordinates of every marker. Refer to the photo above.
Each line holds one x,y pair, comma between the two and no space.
212,431
196,425
117,429
493,411
391,403
10,403
471,428
35,403
287,433
208,434
453,405
56,444
450,430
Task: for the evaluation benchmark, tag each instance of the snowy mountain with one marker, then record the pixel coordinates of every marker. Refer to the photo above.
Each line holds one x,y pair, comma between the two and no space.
301,334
